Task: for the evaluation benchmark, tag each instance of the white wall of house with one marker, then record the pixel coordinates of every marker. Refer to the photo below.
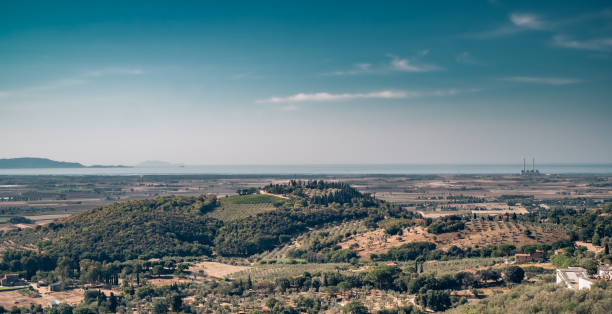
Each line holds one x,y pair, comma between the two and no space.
584,283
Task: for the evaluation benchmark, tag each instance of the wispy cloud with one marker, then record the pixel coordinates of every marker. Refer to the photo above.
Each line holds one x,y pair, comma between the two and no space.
543,80
528,20
596,44
323,96
517,22
522,22
358,68
66,82
385,94
395,64
412,65
466,58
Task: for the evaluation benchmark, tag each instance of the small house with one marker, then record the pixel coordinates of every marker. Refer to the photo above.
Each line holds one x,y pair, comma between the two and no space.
538,255
10,280
523,258
56,286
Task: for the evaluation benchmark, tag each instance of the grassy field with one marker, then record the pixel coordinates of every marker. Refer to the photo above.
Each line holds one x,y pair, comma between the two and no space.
241,206
274,271
455,266
229,212
250,199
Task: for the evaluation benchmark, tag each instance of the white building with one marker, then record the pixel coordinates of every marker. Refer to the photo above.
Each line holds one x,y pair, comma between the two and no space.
575,278
605,272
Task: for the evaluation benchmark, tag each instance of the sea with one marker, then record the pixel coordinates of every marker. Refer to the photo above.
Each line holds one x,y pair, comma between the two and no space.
332,169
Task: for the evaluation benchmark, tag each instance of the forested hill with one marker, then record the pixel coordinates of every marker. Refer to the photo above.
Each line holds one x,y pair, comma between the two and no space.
182,225
31,162
129,230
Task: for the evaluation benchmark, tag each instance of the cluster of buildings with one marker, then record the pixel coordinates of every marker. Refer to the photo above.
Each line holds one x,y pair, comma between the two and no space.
13,280
537,256
577,278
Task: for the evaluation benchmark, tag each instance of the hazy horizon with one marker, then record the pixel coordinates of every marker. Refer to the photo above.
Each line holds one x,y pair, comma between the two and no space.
277,83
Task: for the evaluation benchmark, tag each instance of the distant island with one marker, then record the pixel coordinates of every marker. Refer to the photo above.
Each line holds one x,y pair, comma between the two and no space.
39,163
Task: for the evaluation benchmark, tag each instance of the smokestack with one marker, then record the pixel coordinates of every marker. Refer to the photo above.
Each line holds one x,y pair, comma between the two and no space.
524,165
533,165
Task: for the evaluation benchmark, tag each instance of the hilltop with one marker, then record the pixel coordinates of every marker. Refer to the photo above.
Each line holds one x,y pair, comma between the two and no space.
316,239
129,230
45,163
32,162
240,225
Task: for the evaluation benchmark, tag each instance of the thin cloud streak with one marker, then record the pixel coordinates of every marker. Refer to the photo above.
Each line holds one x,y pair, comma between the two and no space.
467,58
407,65
396,64
76,80
596,44
528,20
358,68
543,80
519,22
385,94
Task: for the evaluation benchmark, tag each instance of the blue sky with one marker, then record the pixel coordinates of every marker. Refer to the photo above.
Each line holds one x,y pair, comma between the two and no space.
309,82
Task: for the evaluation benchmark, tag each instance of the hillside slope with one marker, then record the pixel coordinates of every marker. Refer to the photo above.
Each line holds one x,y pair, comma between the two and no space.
148,228
31,162
187,226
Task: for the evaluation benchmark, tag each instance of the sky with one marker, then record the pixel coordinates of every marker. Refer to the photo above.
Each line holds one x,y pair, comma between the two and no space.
306,82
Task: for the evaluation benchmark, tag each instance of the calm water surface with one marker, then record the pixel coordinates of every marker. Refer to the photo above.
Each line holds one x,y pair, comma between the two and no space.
322,169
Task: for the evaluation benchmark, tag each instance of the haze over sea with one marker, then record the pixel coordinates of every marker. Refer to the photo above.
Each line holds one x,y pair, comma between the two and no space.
335,169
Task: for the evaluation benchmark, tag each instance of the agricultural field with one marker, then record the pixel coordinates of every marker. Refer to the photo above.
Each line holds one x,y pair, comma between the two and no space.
47,198
478,233
240,206
216,269
271,272
233,251
26,297
455,266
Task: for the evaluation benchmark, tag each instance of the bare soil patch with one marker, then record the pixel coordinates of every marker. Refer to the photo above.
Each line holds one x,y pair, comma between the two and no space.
590,246
215,269
19,298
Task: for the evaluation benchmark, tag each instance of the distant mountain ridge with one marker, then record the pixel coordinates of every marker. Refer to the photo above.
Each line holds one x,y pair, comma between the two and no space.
40,163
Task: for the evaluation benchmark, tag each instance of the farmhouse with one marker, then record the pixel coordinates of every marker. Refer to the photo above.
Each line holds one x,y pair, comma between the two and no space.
537,256
522,258
56,286
575,278
10,280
